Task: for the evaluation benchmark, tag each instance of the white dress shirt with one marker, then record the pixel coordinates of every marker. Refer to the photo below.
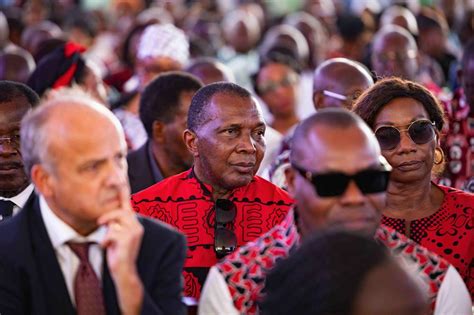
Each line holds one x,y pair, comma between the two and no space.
60,233
20,199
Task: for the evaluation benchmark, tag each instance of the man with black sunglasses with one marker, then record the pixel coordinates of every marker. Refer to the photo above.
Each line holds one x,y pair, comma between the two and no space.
219,203
339,180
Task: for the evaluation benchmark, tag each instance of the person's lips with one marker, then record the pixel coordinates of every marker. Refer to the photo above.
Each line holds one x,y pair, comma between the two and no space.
244,167
409,166
5,166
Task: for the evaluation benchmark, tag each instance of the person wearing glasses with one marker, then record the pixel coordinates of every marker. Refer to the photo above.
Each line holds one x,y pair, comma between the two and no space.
339,180
219,203
407,121
277,83
16,100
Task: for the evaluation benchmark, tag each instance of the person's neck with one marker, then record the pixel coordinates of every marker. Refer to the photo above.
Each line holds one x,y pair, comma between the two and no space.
167,165
217,191
13,193
284,124
411,201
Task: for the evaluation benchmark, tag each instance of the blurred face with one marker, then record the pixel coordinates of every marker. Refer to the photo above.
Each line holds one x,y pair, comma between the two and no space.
230,144
278,86
209,73
12,175
174,144
86,175
149,68
393,56
348,151
410,161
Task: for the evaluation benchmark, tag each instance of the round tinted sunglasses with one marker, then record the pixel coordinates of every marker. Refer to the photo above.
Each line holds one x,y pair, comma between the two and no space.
420,132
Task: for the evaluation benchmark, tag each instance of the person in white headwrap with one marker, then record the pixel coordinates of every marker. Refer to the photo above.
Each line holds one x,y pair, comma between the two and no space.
161,48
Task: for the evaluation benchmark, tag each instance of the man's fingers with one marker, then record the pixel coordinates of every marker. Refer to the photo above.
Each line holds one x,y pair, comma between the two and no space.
119,216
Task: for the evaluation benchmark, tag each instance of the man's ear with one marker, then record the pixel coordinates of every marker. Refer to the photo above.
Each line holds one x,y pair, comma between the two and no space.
317,100
42,180
158,131
290,177
190,140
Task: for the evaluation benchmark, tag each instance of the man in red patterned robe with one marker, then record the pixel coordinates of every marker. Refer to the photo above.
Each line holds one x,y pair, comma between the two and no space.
219,203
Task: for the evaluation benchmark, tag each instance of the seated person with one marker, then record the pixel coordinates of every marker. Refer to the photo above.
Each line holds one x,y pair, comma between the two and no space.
339,180
66,252
163,110
219,203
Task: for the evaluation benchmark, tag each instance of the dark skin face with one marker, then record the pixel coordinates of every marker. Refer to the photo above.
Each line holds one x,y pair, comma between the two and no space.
229,146
348,151
394,56
12,175
410,161
209,73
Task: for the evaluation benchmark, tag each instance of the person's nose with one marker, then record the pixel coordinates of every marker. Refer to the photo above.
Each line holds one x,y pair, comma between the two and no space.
117,174
7,147
406,143
247,144
353,195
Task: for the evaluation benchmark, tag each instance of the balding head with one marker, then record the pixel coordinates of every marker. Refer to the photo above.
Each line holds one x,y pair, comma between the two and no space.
338,82
395,53
74,149
64,115
16,66
329,119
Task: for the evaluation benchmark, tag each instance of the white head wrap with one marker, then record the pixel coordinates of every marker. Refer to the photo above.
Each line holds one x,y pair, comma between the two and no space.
164,40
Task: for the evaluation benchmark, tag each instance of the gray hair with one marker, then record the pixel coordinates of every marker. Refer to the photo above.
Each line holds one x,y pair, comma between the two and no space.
36,130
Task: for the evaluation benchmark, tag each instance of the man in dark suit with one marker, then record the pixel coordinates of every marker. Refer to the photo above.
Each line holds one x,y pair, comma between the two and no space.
78,248
164,108
16,100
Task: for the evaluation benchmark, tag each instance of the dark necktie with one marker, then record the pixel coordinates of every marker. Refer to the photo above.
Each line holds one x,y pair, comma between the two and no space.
6,209
87,288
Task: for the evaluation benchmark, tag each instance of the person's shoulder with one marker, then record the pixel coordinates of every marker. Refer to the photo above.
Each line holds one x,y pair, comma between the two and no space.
458,196
158,230
162,189
263,186
137,154
255,255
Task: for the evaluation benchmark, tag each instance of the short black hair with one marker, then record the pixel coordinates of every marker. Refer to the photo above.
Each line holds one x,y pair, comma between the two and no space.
334,117
160,99
323,276
10,90
202,98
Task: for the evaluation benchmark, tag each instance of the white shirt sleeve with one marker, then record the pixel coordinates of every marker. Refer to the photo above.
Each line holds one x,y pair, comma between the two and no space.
453,296
215,296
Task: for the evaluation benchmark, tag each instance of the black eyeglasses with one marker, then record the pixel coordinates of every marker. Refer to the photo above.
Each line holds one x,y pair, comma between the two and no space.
333,184
225,240
420,132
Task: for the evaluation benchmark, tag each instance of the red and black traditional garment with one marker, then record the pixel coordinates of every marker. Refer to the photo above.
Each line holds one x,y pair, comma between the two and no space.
447,232
186,203
245,270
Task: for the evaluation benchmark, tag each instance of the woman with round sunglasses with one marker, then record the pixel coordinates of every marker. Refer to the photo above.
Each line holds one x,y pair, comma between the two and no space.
407,121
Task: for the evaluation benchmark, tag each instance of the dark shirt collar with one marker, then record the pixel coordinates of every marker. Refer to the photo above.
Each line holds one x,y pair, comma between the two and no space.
155,169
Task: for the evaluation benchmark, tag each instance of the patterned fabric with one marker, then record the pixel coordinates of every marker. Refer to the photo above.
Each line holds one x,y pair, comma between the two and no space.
245,270
458,144
87,288
432,267
135,133
164,41
447,232
186,203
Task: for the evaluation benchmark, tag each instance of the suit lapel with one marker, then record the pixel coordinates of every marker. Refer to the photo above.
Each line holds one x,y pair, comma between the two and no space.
50,274
108,286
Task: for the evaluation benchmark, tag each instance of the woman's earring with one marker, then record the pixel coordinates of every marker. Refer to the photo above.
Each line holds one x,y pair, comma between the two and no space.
439,156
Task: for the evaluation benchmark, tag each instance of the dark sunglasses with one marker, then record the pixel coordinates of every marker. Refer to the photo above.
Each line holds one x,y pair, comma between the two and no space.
334,184
420,132
225,240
